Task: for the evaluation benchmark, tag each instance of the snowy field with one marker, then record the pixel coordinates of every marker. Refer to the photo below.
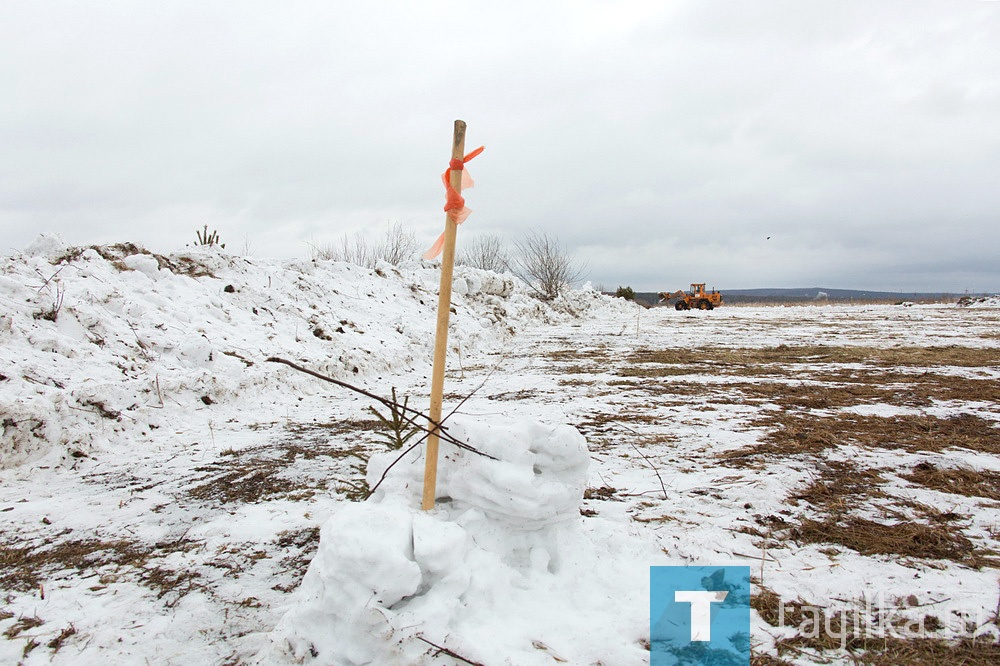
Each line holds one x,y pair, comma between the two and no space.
164,488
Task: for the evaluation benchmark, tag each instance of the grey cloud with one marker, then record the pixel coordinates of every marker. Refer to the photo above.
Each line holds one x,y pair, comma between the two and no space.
855,134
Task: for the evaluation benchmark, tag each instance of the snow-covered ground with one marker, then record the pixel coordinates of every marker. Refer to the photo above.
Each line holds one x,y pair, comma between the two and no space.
164,486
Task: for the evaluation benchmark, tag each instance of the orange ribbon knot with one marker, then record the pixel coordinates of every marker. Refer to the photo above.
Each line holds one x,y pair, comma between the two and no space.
453,199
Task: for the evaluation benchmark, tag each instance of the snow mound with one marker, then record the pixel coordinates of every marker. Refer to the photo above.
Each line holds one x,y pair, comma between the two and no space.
102,345
538,478
497,564
979,302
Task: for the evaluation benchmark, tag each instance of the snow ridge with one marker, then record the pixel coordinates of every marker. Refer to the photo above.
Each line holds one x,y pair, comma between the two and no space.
102,345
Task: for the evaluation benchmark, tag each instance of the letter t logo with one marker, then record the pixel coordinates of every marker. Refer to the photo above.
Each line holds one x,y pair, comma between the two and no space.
701,606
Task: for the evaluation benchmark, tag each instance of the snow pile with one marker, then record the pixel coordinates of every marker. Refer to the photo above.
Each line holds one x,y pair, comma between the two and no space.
102,345
500,563
979,302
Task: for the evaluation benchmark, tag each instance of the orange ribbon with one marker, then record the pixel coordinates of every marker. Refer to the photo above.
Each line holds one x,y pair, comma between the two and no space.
453,199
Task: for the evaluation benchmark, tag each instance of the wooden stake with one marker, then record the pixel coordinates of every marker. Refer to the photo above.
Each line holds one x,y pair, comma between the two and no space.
441,337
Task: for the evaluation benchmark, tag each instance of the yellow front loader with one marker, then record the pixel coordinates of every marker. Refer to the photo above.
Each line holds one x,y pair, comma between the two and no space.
697,298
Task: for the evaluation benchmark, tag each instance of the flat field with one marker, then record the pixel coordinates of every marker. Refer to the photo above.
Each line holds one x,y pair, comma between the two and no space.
848,454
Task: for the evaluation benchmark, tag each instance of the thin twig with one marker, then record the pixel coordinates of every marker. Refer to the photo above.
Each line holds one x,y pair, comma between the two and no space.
450,653
393,464
50,278
411,420
478,388
650,463
142,345
427,434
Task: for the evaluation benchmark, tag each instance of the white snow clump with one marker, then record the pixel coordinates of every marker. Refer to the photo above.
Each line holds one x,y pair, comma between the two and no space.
505,534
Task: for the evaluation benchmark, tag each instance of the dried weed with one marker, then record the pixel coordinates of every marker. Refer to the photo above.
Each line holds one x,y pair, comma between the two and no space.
23,624
904,538
806,433
25,567
959,481
727,358
261,473
825,630
840,486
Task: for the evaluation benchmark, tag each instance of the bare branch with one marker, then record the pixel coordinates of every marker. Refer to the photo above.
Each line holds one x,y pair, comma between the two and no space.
412,416
485,252
453,655
542,264
396,246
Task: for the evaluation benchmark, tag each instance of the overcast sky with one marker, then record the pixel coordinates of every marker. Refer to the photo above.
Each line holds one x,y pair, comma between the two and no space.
741,143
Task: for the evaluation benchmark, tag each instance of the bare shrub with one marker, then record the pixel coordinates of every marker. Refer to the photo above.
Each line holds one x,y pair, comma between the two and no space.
486,252
396,246
352,249
542,263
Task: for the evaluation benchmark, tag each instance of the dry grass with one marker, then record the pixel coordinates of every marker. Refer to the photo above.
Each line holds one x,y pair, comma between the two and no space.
321,432
26,567
264,473
572,355
516,396
804,433
801,387
23,624
904,538
727,358
810,376
841,491
840,486
918,388
842,631
252,482
959,481
928,652
56,643
581,361
302,546
670,388
602,493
